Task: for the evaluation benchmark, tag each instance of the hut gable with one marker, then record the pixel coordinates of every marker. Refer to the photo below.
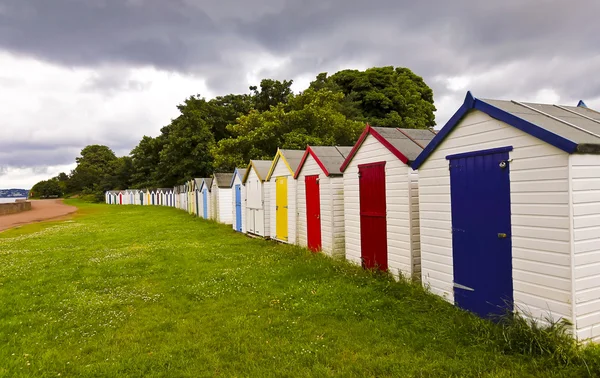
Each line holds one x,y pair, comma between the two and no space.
329,158
572,129
222,180
405,144
290,159
238,172
260,167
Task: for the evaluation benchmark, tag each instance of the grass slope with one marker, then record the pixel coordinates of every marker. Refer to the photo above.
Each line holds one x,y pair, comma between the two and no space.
151,291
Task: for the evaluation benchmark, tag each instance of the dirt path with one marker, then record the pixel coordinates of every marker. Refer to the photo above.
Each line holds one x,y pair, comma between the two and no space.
40,211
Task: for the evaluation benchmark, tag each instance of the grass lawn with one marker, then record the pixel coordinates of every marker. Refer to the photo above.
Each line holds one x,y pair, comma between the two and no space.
151,291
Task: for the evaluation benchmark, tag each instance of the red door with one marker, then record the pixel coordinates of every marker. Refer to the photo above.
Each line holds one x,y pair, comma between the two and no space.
313,213
120,198
373,227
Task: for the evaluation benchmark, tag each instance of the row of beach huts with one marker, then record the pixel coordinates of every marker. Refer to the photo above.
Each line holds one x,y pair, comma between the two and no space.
498,210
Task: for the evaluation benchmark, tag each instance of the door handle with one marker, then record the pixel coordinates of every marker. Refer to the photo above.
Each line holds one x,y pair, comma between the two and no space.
276,207
318,217
501,235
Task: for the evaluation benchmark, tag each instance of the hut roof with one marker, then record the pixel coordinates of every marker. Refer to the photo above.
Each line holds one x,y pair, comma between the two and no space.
329,158
261,167
239,172
573,129
405,144
222,180
291,158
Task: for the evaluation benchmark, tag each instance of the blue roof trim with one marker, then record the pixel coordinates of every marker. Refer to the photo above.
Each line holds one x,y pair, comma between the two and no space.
581,104
499,114
441,135
235,173
480,152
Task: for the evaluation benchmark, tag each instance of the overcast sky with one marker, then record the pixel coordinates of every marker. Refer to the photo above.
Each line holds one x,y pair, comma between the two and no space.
78,72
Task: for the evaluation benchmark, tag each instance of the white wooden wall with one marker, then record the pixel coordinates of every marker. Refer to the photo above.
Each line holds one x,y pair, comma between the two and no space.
282,170
225,205
255,201
415,235
266,202
400,255
585,189
539,208
238,181
332,208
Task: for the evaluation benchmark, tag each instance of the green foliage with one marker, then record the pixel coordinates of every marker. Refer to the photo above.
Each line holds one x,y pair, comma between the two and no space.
46,189
150,291
311,118
225,132
383,96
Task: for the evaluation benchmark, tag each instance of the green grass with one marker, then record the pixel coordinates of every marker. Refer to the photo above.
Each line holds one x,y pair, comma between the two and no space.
151,291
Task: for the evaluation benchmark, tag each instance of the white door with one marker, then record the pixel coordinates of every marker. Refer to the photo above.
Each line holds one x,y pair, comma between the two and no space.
250,220
259,222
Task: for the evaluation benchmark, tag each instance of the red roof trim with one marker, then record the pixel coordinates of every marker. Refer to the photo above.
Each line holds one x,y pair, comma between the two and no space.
304,157
369,130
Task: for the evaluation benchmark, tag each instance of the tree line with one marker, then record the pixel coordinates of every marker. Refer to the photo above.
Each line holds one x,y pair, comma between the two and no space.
227,131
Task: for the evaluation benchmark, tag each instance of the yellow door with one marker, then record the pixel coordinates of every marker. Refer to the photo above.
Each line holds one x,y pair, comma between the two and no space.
281,208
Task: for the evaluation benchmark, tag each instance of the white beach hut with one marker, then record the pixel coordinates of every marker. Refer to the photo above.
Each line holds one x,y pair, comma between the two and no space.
257,198
238,200
282,204
221,197
206,210
510,211
381,212
320,197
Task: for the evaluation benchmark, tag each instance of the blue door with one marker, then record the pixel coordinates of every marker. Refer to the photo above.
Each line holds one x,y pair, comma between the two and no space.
481,226
238,208
205,202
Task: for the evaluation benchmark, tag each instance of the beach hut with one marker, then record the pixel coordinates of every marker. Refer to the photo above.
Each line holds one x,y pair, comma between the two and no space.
148,197
176,197
120,195
135,196
205,200
320,197
221,197
510,211
381,212
169,197
282,204
238,200
184,197
257,198
107,197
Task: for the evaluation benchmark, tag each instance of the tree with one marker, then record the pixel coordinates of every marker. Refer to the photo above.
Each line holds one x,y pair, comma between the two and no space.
145,158
186,152
93,165
382,96
46,189
313,118
272,93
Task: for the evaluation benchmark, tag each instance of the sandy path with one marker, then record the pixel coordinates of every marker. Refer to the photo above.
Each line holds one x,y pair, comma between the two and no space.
40,211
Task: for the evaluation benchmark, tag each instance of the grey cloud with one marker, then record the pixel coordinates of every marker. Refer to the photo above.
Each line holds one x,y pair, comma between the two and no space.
549,44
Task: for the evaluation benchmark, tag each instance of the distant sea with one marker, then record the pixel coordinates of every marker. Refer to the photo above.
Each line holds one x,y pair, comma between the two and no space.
11,199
